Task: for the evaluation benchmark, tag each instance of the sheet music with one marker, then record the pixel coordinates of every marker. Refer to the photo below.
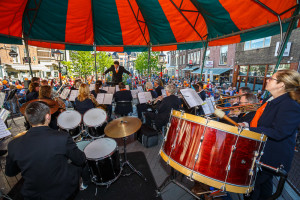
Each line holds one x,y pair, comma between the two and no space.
4,114
100,98
127,87
144,97
73,95
2,98
148,96
117,88
105,88
191,97
163,92
108,99
111,90
140,88
4,132
65,93
92,87
134,93
208,106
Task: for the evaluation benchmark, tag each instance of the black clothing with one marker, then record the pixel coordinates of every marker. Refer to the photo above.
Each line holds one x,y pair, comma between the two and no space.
83,106
31,96
202,95
163,111
244,117
41,155
123,108
124,95
143,106
117,77
158,90
100,91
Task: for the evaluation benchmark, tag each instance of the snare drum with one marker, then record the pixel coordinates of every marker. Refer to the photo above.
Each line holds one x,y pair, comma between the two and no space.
70,121
103,160
94,119
82,144
213,153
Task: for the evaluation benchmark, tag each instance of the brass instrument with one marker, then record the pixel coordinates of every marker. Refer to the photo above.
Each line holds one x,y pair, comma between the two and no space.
96,104
61,103
243,108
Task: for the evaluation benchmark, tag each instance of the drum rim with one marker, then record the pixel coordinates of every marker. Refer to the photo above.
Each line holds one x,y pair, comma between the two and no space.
101,158
246,134
229,186
72,127
97,125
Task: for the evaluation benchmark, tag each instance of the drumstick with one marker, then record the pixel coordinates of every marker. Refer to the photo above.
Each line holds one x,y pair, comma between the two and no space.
219,113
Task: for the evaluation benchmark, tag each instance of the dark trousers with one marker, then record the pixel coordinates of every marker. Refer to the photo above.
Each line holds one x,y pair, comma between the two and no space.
140,109
263,187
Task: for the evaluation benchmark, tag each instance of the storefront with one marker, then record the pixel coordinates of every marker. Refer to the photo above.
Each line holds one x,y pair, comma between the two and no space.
217,75
188,71
254,76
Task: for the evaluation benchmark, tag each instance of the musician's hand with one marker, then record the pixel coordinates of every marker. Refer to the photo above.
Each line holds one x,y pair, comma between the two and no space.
242,124
159,98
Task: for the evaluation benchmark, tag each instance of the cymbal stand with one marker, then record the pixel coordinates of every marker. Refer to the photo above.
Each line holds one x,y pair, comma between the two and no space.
126,162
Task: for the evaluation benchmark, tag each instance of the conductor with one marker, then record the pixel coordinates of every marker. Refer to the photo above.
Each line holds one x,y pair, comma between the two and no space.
117,71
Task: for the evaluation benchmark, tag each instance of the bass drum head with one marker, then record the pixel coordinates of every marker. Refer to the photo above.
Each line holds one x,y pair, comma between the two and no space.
82,144
69,119
94,117
100,148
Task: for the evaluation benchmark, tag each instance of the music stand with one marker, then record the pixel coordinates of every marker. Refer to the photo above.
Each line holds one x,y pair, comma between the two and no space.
10,98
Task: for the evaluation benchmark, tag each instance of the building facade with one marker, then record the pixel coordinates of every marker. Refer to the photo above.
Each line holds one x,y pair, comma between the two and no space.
256,60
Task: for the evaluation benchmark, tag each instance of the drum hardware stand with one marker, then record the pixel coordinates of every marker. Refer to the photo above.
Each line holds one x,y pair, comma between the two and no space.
126,162
172,178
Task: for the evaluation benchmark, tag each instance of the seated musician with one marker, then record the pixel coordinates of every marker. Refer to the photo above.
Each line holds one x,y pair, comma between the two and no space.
158,87
76,84
143,107
33,91
237,115
98,89
201,91
164,108
279,119
123,96
42,157
83,102
44,82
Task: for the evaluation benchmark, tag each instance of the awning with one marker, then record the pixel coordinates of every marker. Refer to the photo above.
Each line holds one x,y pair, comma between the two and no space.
216,71
33,67
190,68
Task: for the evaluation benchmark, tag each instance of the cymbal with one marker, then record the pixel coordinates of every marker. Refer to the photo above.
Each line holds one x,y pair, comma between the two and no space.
122,127
51,103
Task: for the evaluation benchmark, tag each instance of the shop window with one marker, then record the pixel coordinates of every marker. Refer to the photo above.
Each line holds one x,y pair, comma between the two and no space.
183,59
280,67
198,57
17,58
257,70
258,43
243,70
223,55
207,55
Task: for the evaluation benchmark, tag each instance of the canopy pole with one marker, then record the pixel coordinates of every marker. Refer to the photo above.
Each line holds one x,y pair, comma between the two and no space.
95,54
149,54
27,51
203,58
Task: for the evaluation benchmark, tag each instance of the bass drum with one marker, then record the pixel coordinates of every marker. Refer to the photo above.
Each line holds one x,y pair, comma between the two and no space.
103,160
213,153
95,122
70,121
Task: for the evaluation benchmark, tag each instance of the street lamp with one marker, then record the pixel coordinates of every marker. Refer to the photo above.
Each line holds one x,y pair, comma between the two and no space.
161,61
57,54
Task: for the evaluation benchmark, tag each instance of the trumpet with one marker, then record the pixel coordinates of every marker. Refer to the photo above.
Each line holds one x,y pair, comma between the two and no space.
243,108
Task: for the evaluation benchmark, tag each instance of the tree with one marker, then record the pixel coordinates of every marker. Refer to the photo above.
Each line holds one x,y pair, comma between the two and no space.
103,60
141,63
82,62
69,65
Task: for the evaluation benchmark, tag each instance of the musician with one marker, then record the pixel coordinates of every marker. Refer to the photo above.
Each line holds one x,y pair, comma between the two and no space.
244,90
123,96
201,91
83,102
164,108
42,156
279,120
158,87
117,71
44,82
143,107
97,90
33,91
76,84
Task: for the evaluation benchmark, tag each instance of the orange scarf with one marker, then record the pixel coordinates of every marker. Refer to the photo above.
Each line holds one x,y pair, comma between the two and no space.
258,114
123,89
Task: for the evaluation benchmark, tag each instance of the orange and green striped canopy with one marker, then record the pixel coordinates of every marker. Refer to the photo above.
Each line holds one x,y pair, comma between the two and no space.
134,25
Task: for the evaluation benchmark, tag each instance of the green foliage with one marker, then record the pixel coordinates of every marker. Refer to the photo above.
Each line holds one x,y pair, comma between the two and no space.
103,60
82,62
69,67
141,62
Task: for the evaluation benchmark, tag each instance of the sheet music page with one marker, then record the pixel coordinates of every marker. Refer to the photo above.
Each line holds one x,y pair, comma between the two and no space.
210,103
108,99
140,88
73,95
127,87
117,88
111,90
163,92
191,97
2,97
134,93
4,132
141,97
4,114
105,88
100,98
65,93
148,96
92,87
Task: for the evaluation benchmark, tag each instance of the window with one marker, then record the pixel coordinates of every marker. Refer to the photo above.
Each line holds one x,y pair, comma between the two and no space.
183,59
189,57
207,55
195,57
121,58
257,70
198,57
17,58
223,55
280,67
243,70
258,43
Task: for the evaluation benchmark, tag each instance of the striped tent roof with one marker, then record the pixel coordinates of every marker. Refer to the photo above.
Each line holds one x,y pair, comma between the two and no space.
134,25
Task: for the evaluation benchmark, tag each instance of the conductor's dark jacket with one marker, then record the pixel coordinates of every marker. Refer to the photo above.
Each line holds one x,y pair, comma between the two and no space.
117,77
41,155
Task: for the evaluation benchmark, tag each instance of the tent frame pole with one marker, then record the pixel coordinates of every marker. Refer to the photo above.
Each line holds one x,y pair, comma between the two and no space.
149,70
203,57
95,55
27,52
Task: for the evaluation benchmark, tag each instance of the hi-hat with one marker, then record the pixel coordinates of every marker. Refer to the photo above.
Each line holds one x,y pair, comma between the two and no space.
53,105
122,127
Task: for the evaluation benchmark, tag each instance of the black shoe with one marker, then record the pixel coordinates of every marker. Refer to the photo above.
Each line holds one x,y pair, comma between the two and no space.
3,152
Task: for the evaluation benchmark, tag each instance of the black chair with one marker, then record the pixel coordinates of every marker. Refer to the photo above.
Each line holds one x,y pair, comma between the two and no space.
123,108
